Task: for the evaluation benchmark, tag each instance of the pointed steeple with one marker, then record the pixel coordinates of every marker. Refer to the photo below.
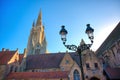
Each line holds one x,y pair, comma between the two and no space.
82,42
33,25
37,42
39,19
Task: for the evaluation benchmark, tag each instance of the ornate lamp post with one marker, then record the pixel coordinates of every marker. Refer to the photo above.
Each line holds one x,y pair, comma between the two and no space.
79,49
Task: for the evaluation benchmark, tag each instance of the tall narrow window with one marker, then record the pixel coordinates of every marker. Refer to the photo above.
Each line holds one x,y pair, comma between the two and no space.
76,75
15,69
96,65
87,66
11,68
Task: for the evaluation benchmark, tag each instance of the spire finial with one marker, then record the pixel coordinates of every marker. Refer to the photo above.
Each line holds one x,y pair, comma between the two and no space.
82,42
33,25
39,20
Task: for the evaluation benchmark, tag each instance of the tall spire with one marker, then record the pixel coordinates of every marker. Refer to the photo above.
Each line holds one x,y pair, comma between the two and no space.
39,20
37,42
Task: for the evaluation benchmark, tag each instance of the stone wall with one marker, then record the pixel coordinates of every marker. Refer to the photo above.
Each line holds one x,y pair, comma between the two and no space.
2,71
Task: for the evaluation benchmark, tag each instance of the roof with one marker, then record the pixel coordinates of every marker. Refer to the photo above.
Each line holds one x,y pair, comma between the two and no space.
20,57
5,56
41,75
113,37
75,57
113,73
43,61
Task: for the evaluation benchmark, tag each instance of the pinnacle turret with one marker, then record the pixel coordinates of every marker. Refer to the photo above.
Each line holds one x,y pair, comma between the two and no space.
39,19
33,25
82,42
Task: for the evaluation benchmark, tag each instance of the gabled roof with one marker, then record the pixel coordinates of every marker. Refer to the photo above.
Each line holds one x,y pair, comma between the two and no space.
46,61
40,75
5,56
113,73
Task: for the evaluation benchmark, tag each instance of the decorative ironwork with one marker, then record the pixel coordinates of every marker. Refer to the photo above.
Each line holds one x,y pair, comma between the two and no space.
71,47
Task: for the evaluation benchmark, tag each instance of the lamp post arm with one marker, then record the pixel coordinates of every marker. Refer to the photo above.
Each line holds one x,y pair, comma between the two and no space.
83,47
71,47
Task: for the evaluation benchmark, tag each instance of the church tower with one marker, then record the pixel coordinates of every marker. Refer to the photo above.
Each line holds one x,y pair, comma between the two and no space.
37,41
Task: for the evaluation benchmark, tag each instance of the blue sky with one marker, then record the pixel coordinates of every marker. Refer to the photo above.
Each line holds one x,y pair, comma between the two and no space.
17,16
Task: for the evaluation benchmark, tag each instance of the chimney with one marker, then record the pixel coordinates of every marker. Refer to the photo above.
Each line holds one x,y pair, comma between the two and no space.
3,49
17,49
7,49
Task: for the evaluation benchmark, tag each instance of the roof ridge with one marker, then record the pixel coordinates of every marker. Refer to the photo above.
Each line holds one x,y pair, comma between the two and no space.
39,72
40,75
47,54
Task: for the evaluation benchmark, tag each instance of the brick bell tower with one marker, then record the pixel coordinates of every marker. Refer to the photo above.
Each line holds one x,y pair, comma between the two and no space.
37,41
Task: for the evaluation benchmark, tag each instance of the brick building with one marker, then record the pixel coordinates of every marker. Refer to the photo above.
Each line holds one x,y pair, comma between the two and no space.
52,66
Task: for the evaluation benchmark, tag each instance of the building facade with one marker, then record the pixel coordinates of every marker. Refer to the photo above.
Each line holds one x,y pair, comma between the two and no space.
109,53
36,64
52,66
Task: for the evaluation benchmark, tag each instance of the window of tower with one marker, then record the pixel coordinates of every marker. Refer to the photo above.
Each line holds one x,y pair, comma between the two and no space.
37,51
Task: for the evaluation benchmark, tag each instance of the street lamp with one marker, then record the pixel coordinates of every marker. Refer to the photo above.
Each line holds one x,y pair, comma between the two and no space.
79,49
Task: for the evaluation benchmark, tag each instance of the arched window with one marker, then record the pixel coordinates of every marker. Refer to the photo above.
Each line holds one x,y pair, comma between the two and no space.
37,50
76,75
